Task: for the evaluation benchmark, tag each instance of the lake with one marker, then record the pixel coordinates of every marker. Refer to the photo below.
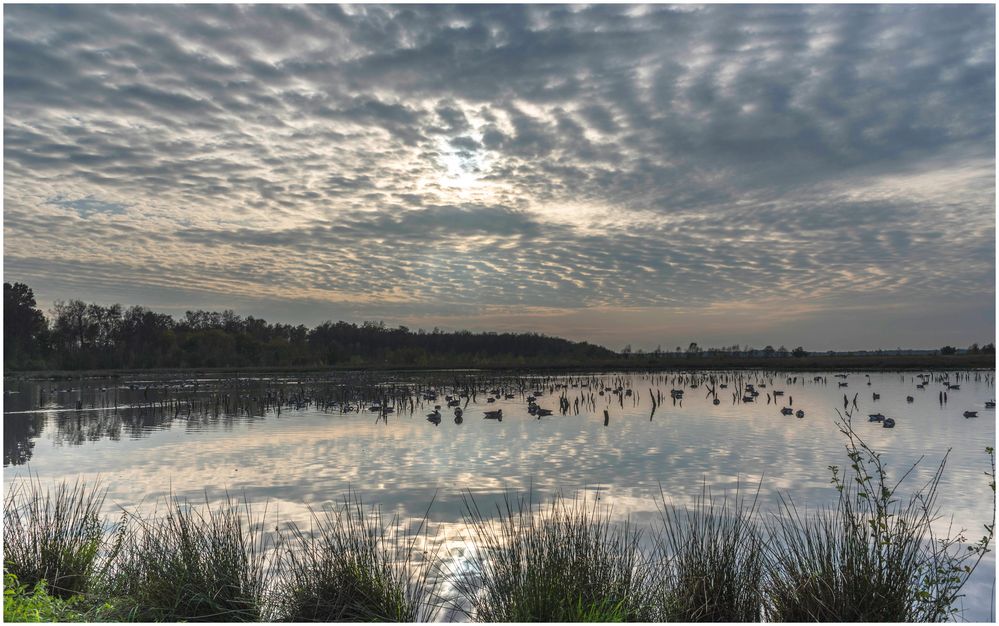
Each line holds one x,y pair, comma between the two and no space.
286,440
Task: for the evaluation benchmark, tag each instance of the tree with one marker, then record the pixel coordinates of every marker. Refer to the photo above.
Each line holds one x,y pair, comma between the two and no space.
24,326
989,348
974,349
799,352
947,350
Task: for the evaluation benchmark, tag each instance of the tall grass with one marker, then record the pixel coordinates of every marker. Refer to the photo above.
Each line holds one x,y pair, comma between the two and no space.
565,562
53,535
348,569
193,564
710,561
875,557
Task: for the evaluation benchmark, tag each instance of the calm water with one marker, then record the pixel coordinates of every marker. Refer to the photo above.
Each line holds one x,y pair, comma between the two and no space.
306,454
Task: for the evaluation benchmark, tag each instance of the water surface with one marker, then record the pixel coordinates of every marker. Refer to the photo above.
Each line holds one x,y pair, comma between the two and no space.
147,437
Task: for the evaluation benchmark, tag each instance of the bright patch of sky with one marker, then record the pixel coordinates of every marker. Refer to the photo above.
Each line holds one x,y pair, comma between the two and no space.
817,175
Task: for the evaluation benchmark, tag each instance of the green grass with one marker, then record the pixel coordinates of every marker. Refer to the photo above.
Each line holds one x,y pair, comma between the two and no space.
710,562
346,568
563,562
193,564
53,535
872,558
36,604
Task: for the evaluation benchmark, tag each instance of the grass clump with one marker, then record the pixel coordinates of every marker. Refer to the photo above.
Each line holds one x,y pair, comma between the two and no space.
563,563
193,564
875,557
346,569
53,536
711,560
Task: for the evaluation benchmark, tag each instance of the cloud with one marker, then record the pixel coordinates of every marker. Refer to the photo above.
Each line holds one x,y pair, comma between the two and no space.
473,163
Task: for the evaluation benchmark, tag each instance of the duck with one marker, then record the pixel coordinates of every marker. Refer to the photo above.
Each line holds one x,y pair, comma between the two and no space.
971,413
888,423
787,410
875,417
800,414
494,415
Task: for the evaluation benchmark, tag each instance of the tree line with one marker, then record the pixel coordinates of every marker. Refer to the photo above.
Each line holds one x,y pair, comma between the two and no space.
80,336
77,335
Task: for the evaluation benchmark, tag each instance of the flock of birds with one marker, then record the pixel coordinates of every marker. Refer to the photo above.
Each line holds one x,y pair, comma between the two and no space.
745,392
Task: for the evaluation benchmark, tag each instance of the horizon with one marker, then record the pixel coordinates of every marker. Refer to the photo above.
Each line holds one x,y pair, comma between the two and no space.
740,347
821,176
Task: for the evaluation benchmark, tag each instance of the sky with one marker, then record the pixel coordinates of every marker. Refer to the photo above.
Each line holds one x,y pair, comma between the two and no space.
818,175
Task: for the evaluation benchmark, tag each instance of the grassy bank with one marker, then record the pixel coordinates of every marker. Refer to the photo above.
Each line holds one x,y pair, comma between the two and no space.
872,556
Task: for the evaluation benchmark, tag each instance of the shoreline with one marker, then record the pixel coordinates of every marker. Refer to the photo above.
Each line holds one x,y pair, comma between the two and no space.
633,363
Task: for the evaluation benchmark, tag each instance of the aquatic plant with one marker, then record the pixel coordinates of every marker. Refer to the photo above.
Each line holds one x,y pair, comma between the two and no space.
53,535
193,564
876,556
347,569
710,561
564,562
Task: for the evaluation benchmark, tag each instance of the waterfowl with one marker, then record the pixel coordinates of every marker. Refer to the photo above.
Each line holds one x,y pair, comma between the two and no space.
888,423
875,417
909,398
787,410
494,415
799,414
971,413
990,404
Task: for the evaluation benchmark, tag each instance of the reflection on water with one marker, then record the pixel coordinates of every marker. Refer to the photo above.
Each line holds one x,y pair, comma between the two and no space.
300,441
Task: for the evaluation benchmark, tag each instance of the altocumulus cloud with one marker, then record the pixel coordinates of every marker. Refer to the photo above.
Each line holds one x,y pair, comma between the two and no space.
637,174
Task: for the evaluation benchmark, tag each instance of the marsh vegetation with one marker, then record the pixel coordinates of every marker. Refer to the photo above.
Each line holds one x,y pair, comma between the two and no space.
876,555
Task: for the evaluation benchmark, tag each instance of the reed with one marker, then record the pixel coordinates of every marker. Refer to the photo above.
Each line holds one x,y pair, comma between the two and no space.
875,556
53,535
564,562
193,564
348,568
710,561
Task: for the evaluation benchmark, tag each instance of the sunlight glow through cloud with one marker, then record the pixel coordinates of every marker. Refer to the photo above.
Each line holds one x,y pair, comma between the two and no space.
645,175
